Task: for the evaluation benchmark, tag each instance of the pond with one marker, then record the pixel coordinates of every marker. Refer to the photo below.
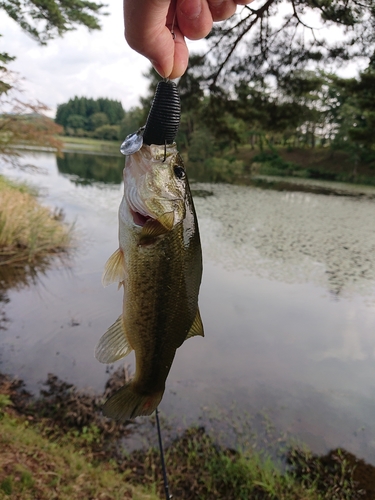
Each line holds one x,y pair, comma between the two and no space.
287,301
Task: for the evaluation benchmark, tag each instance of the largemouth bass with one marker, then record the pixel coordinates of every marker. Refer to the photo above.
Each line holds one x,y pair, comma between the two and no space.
159,265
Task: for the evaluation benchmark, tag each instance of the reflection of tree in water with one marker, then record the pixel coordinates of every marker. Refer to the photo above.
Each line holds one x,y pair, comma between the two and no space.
3,301
291,237
90,167
17,277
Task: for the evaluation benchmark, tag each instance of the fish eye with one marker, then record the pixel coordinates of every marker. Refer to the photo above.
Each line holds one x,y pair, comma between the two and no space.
179,172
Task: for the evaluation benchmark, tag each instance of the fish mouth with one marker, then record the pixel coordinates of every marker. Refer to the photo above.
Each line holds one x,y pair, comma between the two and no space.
140,219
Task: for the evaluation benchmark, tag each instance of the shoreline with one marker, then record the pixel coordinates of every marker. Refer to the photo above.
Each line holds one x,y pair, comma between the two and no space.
197,466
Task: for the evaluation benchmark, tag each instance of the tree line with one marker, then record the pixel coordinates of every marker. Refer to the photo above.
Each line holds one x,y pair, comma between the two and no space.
309,109
263,81
82,116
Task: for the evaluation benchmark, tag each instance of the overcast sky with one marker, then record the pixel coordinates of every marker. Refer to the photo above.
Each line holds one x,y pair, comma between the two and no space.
96,64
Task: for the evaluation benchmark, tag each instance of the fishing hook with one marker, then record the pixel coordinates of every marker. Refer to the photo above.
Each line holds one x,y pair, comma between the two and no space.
172,27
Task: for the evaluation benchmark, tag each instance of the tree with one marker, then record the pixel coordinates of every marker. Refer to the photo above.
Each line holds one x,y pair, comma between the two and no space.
76,121
362,90
256,43
96,120
42,20
107,132
51,18
96,112
25,124
132,121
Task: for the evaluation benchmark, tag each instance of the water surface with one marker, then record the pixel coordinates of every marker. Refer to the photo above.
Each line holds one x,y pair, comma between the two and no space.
287,301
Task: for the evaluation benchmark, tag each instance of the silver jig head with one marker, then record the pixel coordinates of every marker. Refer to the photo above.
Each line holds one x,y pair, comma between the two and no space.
133,142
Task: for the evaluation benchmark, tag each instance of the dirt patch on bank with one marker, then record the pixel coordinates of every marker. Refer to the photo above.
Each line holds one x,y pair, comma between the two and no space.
197,466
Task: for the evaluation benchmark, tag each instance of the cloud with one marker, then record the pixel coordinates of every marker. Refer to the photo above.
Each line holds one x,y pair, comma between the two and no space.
94,64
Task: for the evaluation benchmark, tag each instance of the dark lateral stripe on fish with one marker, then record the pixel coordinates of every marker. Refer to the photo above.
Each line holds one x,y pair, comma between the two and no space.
164,116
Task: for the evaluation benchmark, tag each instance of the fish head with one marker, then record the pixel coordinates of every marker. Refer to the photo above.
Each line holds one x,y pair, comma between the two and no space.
155,188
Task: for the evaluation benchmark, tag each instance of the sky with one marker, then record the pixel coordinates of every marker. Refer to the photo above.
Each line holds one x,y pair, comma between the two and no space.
96,64
91,64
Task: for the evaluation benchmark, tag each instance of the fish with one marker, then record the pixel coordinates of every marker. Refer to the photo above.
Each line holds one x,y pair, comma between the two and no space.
159,267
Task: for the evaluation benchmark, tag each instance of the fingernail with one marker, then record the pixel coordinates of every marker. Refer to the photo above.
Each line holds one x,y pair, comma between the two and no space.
158,68
191,8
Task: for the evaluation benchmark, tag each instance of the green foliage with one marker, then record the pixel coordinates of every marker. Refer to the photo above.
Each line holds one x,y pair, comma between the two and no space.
6,485
202,145
4,401
224,170
50,18
97,120
47,19
76,121
95,112
107,132
273,163
363,130
255,44
132,121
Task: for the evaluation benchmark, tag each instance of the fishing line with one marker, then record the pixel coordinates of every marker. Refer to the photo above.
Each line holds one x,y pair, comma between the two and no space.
168,496
172,28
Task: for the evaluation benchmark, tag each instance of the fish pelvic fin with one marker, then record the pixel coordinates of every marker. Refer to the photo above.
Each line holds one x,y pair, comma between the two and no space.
196,327
114,269
128,403
113,345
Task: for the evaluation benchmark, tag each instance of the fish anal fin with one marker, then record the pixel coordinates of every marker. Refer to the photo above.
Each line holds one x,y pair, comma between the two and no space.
113,345
114,269
196,327
127,403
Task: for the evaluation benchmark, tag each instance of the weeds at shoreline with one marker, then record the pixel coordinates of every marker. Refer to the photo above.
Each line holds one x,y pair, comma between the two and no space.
28,231
59,446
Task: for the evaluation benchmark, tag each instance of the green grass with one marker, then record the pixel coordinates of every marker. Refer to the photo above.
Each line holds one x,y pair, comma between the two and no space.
86,144
59,446
32,466
28,230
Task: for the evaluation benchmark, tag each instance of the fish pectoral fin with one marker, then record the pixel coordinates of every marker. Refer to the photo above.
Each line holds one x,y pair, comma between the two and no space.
114,269
114,344
167,220
196,327
156,227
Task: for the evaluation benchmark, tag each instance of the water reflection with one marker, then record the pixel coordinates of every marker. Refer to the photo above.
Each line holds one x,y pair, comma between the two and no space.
287,301
87,168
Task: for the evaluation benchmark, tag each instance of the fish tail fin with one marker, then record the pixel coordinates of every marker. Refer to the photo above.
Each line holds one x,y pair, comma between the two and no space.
127,403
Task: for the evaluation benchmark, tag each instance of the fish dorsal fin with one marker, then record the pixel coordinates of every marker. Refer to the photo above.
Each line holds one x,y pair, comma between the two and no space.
196,327
113,345
114,269
156,227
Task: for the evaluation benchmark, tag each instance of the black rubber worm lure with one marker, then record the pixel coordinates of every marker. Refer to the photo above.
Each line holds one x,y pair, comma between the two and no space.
162,122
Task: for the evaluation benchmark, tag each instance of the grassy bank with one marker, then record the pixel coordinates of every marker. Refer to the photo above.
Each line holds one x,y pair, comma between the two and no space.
307,163
59,446
244,163
33,466
28,230
88,145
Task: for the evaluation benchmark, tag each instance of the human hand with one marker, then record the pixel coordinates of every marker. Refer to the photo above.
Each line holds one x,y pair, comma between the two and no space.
148,25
